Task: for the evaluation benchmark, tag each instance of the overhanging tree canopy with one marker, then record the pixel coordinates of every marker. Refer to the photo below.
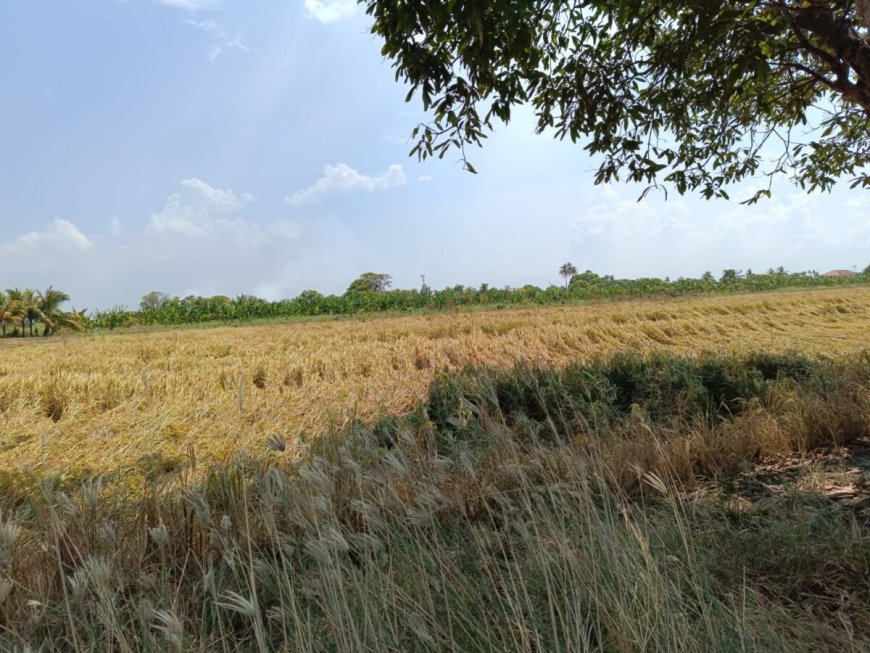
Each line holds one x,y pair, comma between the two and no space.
689,94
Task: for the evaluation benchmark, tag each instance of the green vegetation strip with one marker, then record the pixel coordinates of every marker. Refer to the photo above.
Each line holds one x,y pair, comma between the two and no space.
370,298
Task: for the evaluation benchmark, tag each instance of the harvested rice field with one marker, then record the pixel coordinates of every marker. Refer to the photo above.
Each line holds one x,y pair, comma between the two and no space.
148,403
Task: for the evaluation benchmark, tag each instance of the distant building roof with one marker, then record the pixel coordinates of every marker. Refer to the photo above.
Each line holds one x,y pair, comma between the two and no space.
839,273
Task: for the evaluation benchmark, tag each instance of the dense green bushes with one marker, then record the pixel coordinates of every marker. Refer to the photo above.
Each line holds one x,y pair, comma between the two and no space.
660,389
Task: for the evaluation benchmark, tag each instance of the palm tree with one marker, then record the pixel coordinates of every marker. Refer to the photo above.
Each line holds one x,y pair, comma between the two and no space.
32,310
52,317
567,271
19,303
26,308
7,312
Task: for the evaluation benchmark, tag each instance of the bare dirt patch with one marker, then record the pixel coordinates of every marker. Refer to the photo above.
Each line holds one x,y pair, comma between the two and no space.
839,477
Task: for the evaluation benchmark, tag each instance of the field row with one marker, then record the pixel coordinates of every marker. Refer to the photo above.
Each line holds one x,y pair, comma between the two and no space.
155,401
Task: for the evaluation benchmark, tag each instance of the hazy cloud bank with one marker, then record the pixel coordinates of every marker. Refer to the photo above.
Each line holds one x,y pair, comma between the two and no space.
341,178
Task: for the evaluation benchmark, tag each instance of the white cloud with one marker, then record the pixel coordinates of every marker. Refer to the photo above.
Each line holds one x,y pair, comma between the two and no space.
218,49
222,200
341,178
329,11
60,235
197,209
192,5
858,205
198,243
627,223
424,178
236,44
206,25
848,229
614,234
222,41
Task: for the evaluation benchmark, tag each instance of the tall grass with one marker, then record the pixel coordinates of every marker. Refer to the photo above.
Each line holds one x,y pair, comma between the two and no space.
536,509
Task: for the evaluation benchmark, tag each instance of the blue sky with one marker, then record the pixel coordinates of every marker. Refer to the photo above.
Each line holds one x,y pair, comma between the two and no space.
200,146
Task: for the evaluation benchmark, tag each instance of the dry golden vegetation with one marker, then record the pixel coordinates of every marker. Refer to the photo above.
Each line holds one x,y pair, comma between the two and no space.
149,403
690,476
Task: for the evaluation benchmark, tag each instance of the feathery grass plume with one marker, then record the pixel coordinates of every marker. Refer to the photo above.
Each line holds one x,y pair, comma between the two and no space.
99,573
169,625
277,443
247,607
91,489
10,533
107,533
159,534
318,477
78,584
199,504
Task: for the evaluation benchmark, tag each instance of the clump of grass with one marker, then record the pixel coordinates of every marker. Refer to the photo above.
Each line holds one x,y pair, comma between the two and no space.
54,398
421,360
175,430
296,377
158,466
7,397
260,377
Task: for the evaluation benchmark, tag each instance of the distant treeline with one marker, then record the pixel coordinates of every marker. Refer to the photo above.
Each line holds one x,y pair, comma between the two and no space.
370,294
27,312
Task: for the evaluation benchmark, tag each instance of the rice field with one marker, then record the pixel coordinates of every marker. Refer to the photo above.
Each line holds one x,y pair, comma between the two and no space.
148,403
